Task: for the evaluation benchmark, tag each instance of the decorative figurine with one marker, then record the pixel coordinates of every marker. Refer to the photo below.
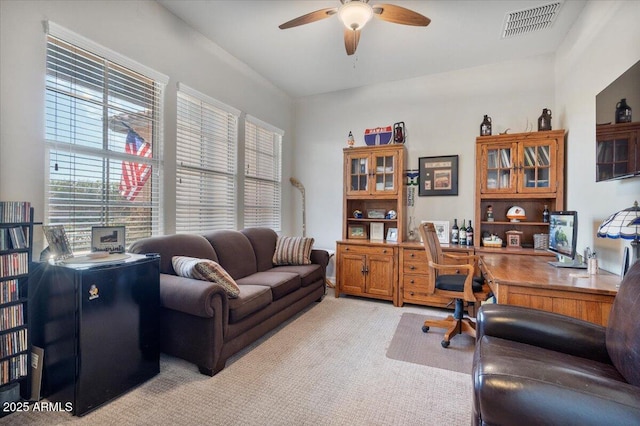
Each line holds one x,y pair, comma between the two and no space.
350,140
489,213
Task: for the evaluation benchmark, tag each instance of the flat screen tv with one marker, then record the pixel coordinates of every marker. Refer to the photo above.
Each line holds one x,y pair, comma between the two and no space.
563,236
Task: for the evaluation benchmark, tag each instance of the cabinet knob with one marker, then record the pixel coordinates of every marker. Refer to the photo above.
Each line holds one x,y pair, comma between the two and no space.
346,249
411,281
411,293
384,250
412,267
412,255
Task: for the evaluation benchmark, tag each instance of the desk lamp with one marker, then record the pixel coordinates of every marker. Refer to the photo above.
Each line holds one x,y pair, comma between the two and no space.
624,224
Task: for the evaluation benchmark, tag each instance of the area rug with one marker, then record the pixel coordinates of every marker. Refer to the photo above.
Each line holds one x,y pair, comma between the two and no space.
411,344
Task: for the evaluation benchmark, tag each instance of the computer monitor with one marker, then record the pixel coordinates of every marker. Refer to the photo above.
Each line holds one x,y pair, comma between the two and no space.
563,236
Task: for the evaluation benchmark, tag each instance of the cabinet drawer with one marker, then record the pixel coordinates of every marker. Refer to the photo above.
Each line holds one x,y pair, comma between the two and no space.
414,255
415,282
366,250
415,267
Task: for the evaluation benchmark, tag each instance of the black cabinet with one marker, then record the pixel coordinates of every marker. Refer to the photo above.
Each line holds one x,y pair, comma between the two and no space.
98,327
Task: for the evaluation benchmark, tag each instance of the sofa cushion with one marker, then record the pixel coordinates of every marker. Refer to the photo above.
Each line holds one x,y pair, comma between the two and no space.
168,246
205,270
251,299
293,251
234,252
309,274
281,283
263,241
623,331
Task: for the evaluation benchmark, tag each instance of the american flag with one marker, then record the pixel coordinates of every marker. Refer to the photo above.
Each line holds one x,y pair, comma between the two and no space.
134,175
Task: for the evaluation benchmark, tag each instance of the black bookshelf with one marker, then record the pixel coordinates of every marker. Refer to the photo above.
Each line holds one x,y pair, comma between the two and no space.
16,242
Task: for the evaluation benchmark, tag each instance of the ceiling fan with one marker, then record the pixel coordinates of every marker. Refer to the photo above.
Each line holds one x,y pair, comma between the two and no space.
354,14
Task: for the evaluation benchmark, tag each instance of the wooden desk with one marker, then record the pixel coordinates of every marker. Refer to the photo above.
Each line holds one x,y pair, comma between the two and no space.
530,281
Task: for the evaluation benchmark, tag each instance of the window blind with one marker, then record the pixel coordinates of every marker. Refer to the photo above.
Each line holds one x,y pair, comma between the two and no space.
206,171
263,172
104,144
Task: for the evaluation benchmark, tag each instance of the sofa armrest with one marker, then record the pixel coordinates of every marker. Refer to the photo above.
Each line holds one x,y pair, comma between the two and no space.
194,297
543,329
320,257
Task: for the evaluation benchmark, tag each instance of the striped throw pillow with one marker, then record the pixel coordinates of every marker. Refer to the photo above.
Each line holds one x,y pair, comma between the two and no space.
205,270
293,251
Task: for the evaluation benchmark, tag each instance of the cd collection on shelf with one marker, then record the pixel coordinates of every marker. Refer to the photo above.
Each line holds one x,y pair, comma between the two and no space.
16,228
15,211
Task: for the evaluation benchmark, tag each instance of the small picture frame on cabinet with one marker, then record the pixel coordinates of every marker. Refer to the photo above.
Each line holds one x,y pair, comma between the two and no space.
357,232
376,231
58,242
442,230
392,235
108,239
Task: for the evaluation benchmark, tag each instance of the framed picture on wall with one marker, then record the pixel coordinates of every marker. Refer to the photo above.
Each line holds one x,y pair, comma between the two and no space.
438,175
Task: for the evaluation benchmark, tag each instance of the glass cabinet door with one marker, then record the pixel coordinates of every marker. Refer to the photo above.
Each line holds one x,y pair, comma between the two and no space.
498,174
536,162
358,174
384,174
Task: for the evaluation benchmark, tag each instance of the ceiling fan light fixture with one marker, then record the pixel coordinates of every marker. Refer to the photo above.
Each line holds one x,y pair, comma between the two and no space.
355,14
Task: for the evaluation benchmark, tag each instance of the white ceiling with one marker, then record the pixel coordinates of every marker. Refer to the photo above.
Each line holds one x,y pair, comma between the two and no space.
311,59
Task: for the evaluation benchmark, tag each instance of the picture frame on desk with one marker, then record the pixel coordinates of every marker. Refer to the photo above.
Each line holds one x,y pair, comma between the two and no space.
442,230
58,241
438,175
109,239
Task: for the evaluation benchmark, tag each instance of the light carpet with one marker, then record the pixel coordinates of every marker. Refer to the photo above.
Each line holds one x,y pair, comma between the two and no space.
411,344
326,366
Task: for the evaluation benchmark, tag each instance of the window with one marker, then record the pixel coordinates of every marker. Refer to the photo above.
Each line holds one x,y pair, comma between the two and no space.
262,178
103,139
206,187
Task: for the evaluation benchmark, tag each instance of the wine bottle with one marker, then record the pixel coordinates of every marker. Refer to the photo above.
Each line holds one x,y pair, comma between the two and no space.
545,214
462,235
469,234
454,232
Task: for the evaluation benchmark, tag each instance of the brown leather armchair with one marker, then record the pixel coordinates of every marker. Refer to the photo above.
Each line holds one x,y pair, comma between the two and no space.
536,367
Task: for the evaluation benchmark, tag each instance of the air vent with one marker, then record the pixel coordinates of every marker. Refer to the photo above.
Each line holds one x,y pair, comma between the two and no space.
530,20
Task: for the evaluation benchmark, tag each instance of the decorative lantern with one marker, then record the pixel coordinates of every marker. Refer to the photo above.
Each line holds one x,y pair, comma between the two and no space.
544,122
485,127
623,112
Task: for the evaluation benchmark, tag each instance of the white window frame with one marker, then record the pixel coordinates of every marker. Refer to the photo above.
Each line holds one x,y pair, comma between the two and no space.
74,139
206,163
262,174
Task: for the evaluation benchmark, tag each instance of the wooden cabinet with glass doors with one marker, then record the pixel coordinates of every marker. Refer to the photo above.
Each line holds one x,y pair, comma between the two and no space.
373,208
521,169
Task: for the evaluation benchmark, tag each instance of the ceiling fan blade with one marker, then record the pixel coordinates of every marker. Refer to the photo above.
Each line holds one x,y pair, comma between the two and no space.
351,39
309,18
399,15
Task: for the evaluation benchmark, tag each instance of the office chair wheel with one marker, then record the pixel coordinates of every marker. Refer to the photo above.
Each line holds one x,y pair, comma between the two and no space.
425,328
445,344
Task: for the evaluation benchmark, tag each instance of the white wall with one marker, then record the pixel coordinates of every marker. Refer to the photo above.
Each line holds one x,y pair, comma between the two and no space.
603,44
442,114
143,31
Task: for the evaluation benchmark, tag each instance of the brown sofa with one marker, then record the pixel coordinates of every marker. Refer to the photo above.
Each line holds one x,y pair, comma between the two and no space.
536,367
199,322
